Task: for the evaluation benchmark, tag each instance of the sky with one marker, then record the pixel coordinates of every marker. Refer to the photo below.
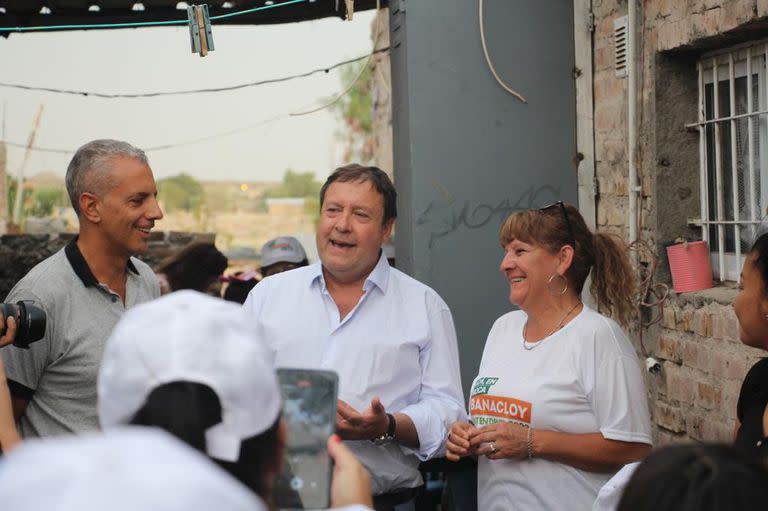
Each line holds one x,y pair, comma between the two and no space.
160,59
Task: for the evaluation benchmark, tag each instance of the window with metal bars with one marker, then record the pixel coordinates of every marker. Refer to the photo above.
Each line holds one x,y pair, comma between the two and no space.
733,150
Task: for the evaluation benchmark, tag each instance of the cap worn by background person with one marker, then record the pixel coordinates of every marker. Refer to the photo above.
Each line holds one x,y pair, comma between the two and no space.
188,336
126,469
282,249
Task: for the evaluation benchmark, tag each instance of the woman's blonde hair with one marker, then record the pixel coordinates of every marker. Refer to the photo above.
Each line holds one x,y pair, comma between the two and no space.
614,281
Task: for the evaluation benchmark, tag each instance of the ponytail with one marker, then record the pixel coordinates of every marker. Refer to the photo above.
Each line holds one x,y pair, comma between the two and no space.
614,282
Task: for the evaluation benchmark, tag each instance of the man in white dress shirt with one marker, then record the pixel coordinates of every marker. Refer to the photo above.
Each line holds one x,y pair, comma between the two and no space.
389,337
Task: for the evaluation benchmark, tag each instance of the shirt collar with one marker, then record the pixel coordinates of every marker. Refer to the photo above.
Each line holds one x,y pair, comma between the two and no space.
80,265
378,277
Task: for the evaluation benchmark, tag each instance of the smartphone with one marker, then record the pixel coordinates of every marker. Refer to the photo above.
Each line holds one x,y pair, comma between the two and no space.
309,410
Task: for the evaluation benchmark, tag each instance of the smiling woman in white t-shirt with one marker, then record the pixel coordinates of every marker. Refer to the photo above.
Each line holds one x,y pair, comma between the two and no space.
559,403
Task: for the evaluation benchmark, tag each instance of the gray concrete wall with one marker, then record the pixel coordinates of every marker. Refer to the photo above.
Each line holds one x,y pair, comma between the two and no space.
467,153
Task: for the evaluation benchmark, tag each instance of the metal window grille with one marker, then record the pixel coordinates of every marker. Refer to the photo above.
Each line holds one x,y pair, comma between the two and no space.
733,152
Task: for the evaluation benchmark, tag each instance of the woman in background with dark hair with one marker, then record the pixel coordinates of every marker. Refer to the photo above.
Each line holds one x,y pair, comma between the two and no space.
751,307
197,266
697,477
559,403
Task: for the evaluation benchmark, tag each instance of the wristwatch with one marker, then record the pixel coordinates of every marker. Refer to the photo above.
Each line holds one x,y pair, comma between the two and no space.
388,435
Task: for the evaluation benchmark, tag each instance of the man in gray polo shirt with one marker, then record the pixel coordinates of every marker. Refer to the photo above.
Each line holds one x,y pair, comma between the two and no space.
84,289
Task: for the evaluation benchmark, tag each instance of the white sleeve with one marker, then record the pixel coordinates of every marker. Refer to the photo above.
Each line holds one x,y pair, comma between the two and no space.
252,312
619,398
441,401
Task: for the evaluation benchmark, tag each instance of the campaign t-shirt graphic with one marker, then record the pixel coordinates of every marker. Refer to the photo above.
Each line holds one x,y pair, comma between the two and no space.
486,408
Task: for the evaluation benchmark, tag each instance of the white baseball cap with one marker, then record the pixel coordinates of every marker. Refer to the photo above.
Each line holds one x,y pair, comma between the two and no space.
283,249
189,336
126,469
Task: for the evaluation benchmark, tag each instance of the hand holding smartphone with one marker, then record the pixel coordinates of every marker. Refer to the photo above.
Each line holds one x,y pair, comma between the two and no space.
309,410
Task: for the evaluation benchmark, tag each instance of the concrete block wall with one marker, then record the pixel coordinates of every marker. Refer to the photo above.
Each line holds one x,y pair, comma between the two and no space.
703,363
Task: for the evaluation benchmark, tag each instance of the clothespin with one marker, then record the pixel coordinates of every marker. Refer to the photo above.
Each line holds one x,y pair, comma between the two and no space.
350,9
200,33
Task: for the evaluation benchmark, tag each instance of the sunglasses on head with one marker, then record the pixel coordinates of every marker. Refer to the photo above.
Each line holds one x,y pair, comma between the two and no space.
564,212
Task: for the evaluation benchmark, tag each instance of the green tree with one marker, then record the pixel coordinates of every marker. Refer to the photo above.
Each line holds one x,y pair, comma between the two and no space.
181,192
354,110
295,184
45,198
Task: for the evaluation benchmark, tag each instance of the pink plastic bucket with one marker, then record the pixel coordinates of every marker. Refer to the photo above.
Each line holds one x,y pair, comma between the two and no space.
690,266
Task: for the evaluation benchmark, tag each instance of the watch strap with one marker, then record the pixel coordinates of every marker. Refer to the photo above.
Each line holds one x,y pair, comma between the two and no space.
389,434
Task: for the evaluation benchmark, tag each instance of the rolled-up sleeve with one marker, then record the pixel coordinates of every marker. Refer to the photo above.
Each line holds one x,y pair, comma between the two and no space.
441,401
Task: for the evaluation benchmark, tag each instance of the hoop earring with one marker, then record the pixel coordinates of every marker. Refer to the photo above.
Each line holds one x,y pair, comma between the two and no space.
549,283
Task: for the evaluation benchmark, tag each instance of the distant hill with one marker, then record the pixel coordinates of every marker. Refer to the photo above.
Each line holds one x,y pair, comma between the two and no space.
47,178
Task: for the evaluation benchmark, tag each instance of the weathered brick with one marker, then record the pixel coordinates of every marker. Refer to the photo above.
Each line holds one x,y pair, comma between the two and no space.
707,428
697,427
679,383
718,323
684,319
669,417
602,214
614,209
708,396
702,323
696,355
668,318
762,8
669,348
609,115
728,365
731,328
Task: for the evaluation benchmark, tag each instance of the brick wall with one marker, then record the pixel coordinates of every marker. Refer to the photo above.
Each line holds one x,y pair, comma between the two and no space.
20,252
381,109
703,363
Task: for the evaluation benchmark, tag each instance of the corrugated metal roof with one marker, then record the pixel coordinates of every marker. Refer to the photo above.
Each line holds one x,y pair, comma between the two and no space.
26,13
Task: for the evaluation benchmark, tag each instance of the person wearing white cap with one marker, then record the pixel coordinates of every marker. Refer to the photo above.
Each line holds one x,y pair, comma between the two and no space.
192,365
282,254
84,289
126,469
390,338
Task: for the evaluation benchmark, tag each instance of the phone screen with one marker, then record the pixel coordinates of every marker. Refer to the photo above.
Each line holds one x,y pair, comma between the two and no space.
309,410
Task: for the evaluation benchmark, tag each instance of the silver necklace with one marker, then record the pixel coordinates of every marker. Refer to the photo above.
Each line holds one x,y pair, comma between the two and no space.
558,327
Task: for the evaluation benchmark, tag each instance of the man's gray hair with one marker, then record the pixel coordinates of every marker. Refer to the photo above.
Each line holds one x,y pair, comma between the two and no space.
89,169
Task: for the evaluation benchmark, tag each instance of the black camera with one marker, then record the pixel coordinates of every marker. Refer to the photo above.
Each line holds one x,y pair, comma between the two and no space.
30,322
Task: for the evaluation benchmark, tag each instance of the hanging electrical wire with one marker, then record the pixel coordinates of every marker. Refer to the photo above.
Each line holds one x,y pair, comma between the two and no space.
357,78
227,88
164,147
490,62
652,295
